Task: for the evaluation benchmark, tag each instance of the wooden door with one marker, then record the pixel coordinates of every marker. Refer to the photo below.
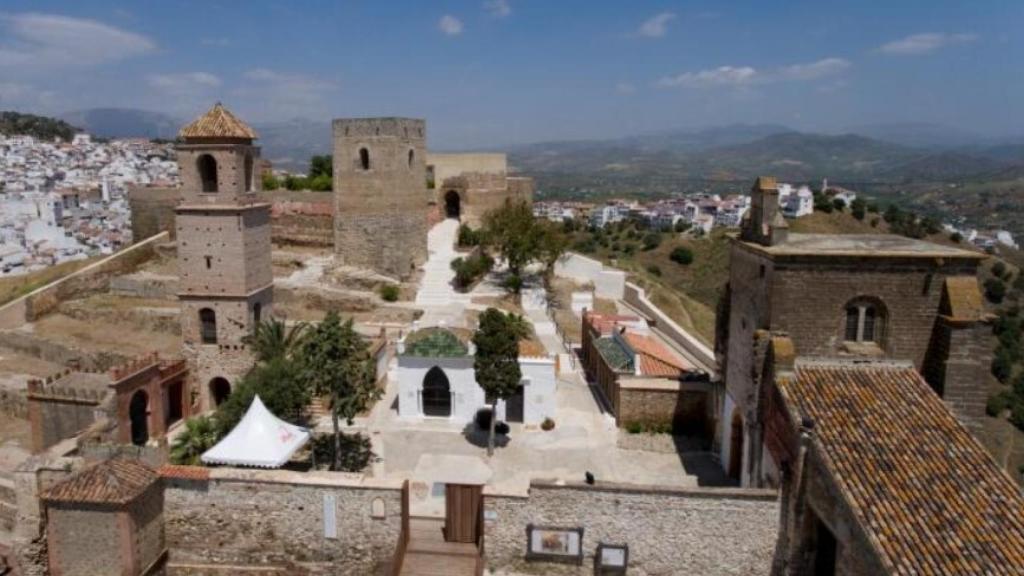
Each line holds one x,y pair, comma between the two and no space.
463,507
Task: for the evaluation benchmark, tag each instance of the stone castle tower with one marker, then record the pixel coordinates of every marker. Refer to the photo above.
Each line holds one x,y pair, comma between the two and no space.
223,236
381,197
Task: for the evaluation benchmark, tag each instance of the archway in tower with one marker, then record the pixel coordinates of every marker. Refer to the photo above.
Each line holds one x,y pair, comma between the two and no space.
220,389
452,205
138,416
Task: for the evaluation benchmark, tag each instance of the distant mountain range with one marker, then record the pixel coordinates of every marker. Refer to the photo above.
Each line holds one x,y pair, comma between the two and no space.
899,152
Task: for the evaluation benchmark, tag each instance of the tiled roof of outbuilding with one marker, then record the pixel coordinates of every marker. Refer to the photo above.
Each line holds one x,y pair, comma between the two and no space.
435,342
929,497
116,481
655,358
218,122
614,354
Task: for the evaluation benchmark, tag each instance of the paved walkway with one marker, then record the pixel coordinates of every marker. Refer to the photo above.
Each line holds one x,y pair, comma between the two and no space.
436,285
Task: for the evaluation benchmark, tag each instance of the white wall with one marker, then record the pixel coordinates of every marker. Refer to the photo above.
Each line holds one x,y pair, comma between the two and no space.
538,390
467,397
608,282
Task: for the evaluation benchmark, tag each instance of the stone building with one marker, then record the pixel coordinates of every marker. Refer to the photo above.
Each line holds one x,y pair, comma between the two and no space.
106,521
380,190
641,380
467,186
851,296
878,476
129,404
223,236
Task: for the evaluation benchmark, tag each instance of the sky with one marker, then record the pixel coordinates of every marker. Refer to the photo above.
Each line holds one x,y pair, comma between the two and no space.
496,72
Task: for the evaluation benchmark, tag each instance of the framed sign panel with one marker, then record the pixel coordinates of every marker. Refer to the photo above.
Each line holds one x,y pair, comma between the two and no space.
611,559
554,544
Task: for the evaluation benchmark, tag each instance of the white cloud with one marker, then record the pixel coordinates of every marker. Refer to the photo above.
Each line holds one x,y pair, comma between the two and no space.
498,8
721,76
275,94
184,81
812,70
656,26
925,43
625,88
747,75
48,40
450,25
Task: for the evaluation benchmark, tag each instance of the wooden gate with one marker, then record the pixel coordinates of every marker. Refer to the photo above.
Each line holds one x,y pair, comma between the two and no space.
463,511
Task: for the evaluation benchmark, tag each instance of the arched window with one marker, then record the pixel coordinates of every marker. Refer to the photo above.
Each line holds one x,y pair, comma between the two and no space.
248,173
364,158
208,326
865,321
452,205
206,166
412,157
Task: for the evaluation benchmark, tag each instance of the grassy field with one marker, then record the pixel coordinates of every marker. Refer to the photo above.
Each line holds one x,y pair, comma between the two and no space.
13,287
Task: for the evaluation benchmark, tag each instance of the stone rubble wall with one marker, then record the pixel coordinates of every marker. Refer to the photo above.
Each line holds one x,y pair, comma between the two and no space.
711,532
256,521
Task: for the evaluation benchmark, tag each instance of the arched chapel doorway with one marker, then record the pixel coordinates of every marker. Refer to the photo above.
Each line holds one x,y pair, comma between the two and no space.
437,394
220,389
452,205
138,416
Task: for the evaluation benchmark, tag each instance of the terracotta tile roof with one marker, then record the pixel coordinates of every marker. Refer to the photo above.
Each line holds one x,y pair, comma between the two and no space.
218,122
115,481
929,497
605,323
654,358
963,298
184,472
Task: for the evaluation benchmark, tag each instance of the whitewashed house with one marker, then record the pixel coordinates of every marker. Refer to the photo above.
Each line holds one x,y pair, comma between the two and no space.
436,380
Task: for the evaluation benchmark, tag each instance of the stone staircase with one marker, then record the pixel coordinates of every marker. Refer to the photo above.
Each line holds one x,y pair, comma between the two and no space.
429,555
436,285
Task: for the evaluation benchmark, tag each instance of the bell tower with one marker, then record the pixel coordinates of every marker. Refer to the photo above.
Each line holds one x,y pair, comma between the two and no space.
223,236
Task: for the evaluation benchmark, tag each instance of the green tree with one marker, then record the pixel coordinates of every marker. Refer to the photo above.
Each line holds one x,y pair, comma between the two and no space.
336,362
995,290
858,208
839,204
271,182
496,361
552,245
321,166
273,339
999,269
520,238
200,434
651,241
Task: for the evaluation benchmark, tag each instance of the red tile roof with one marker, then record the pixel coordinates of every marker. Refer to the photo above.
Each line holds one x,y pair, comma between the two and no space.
605,323
184,472
115,481
929,497
654,358
218,122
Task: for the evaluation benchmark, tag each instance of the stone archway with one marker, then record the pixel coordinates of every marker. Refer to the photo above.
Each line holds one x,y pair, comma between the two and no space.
220,389
138,417
452,205
437,394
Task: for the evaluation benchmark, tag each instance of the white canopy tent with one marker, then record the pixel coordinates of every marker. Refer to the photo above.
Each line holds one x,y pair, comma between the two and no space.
260,440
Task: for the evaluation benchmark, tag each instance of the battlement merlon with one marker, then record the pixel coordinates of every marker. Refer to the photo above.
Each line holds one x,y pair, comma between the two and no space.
384,127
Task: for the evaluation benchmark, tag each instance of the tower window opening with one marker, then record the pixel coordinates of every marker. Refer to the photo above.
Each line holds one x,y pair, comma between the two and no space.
206,166
364,158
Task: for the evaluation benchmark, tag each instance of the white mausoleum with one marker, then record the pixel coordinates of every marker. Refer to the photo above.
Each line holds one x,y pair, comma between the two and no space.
436,379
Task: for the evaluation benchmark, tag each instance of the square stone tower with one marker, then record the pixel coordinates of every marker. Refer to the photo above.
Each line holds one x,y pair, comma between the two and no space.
381,197
223,236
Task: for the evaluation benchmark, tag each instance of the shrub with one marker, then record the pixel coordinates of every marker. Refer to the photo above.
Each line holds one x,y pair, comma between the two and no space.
956,237
634,427
356,451
839,204
874,222
995,290
501,429
468,237
471,268
999,269
513,283
629,249
682,255
858,208
682,226
483,418
651,241
1002,365
998,403
654,269
547,425
389,292
1017,413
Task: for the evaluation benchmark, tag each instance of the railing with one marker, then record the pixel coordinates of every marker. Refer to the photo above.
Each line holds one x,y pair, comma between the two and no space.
403,536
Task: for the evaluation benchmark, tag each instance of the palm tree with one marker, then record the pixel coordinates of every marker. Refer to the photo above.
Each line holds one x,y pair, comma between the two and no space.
273,339
200,434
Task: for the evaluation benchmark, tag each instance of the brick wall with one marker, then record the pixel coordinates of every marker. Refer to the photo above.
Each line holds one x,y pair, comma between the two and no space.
684,406
710,532
83,541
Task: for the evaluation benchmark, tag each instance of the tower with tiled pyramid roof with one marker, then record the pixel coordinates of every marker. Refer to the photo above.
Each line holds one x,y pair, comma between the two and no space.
223,236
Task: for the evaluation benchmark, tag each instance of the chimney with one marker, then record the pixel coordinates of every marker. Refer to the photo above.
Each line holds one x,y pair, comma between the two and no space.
766,224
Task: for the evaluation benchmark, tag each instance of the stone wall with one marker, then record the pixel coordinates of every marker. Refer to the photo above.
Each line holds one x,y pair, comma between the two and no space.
256,521
86,540
13,403
683,406
669,531
92,279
